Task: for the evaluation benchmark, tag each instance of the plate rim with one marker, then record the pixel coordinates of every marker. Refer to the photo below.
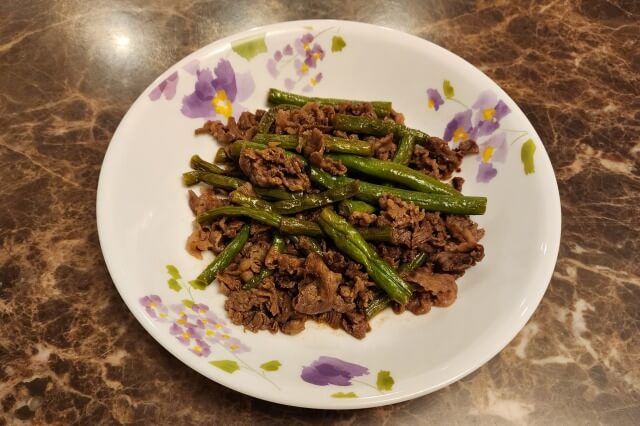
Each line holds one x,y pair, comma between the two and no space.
359,403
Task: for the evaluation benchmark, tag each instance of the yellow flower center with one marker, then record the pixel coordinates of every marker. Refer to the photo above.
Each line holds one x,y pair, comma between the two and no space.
197,348
488,113
163,314
181,321
218,326
226,336
222,104
487,154
201,311
186,335
233,347
431,104
460,135
182,313
304,68
316,56
152,305
210,333
313,81
306,46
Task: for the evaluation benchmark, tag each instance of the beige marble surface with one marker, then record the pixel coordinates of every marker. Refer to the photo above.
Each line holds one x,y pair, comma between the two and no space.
71,353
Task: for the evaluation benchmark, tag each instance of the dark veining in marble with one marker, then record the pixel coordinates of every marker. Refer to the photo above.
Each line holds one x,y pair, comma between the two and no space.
70,352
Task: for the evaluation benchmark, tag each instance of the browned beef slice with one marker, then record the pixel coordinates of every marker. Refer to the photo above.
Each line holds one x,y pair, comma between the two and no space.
243,308
271,168
396,116
457,183
364,109
441,287
456,258
312,115
317,290
356,324
464,229
207,200
314,151
244,128
383,148
362,218
436,159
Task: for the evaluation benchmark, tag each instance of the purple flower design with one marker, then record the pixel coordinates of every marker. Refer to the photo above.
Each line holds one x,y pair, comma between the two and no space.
272,67
434,99
486,172
200,348
493,149
154,306
235,345
289,83
288,50
332,371
314,55
302,44
313,81
167,87
185,333
218,96
459,128
489,110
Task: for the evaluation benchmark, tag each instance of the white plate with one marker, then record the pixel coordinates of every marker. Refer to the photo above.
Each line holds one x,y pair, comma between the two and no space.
144,220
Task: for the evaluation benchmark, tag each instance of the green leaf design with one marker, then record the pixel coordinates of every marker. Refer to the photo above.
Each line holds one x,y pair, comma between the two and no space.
174,284
198,284
250,47
447,88
384,382
273,365
173,271
337,44
526,155
188,303
227,365
344,395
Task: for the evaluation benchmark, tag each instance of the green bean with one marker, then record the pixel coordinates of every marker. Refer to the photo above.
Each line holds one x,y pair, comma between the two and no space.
312,201
395,172
332,143
381,108
378,234
213,179
348,240
366,125
414,263
221,156
377,305
277,244
242,199
350,206
276,193
287,225
308,244
199,164
370,193
405,148
223,259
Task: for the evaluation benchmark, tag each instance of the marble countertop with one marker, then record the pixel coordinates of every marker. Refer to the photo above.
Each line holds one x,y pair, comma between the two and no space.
70,351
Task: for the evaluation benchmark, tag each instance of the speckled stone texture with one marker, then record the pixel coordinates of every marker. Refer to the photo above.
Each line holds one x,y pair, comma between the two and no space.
71,353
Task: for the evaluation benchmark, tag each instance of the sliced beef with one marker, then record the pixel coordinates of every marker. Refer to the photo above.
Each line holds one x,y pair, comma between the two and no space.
318,288
384,147
396,116
436,159
296,121
244,128
441,288
207,200
270,167
314,151
364,109
362,218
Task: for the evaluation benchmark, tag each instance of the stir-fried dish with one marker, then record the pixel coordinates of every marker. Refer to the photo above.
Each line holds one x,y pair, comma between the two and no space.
330,210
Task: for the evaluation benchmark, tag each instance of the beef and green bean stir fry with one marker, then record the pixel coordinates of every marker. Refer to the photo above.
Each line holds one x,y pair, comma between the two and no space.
330,210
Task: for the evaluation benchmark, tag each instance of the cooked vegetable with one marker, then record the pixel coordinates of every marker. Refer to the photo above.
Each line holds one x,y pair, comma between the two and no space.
333,144
381,108
395,172
242,199
348,207
312,201
269,117
416,262
287,225
308,244
374,126
236,147
351,243
277,245
276,193
213,179
378,305
378,234
405,148
370,193
223,259
222,157
198,163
